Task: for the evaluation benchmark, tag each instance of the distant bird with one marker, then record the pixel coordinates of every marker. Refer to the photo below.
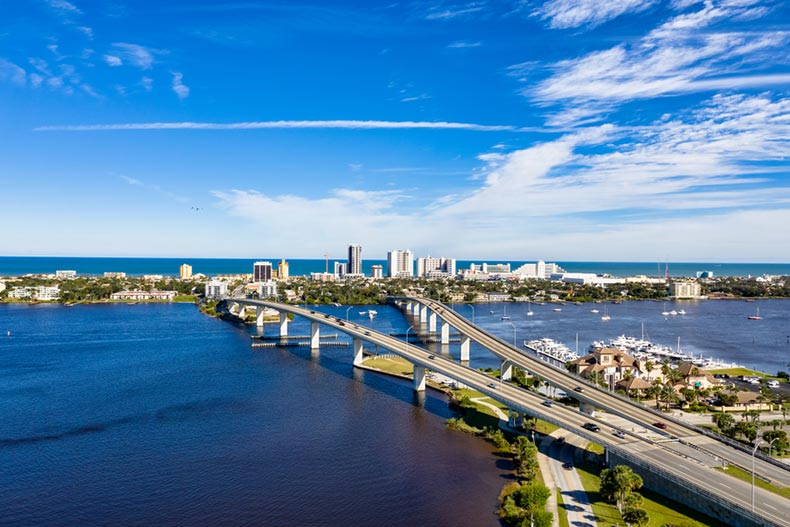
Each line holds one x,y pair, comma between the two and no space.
195,208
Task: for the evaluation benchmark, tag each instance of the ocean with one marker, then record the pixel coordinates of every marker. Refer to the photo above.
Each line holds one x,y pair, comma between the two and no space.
96,266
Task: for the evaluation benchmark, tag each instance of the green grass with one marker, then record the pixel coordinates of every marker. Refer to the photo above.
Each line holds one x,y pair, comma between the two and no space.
740,371
747,477
395,365
660,510
595,448
561,515
185,298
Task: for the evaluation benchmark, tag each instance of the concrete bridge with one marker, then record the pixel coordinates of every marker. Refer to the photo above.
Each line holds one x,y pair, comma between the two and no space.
671,462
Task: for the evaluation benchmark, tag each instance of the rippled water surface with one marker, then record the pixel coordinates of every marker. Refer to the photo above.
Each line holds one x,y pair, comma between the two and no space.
157,415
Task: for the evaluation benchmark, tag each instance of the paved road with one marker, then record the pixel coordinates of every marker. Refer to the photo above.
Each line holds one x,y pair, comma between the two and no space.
771,507
563,470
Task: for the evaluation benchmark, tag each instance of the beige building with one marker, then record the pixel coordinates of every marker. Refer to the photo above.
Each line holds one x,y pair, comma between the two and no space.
610,363
687,289
185,272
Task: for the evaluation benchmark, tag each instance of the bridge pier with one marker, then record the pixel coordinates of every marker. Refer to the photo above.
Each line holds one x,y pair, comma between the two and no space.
315,336
465,340
415,310
432,323
506,370
419,378
445,333
358,352
283,324
424,314
259,311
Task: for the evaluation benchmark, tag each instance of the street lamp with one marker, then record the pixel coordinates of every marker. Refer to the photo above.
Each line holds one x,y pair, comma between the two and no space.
407,334
756,445
514,333
473,312
347,309
770,444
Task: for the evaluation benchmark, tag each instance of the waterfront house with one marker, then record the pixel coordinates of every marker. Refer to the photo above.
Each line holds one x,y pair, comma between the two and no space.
611,363
696,377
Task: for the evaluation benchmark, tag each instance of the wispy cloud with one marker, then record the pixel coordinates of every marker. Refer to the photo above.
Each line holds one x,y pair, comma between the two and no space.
444,12
677,57
154,188
112,60
64,6
253,125
563,14
134,54
462,44
12,73
180,89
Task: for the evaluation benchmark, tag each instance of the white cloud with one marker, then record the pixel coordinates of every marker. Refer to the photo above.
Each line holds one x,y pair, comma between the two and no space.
64,7
112,60
462,44
564,14
134,54
12,73
682,55
253,125
147,83
85,30
179,87
440,12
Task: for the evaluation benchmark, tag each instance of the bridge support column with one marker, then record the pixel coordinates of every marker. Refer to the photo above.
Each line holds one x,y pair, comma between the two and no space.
445,333
587,408
357,352
415,309
259,310
465,340
419,378
424,314
506,370
315,336
409,307
432,323
283,324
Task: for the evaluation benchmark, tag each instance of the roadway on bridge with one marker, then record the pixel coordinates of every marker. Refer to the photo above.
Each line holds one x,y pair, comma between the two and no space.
634,412
770,506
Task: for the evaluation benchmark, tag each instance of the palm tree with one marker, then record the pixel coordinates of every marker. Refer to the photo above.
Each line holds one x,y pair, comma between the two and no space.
668,395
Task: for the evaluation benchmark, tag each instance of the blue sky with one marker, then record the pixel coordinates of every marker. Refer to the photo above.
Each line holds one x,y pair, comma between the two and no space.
635,130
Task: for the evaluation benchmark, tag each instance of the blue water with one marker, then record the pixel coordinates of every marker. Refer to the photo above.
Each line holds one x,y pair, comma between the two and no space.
158,415
20,265
711,328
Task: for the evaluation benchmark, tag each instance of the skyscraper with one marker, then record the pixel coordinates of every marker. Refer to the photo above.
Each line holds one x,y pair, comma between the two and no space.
400,263
262,271
354,259
282,269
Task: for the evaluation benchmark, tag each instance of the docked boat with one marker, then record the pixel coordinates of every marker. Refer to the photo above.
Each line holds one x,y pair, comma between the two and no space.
755,317
594,311
372,314
548,348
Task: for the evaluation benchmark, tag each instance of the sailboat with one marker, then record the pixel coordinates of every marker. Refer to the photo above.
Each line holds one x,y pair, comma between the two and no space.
755,317
529,309
505,316
665,312
372,314
605,316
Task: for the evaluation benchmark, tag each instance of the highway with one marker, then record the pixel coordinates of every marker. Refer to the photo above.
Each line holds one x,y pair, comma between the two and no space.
630,410
659,456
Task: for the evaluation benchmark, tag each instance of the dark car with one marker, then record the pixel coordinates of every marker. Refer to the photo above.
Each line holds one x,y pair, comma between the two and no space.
659,424
560,440
431,356
578,389
567,466
491,385
547,403
592,427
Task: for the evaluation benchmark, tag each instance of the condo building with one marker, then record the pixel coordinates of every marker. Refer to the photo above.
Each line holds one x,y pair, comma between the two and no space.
354,260
262,271
400,263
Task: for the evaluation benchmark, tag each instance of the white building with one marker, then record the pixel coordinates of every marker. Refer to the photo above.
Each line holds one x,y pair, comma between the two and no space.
377,271
144,295
400,263
355,260
341,269
430,267
42,292
267,289
261,271
114,274
587,278
688,289
539,270
2,287
65,275
216,289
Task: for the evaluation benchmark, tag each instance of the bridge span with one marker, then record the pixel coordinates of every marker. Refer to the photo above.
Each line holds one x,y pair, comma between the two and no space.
720,495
